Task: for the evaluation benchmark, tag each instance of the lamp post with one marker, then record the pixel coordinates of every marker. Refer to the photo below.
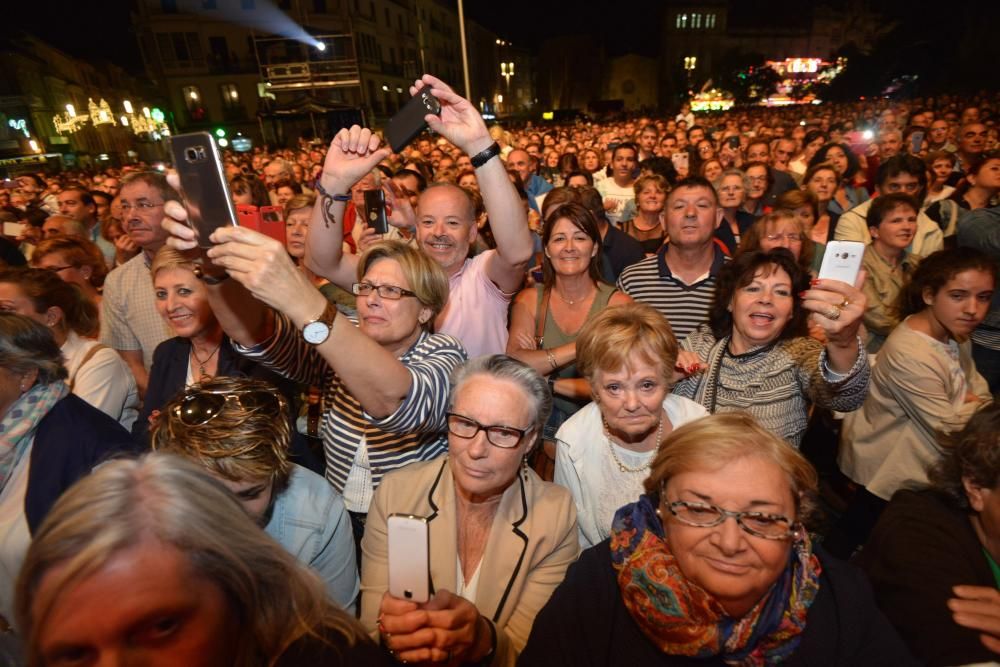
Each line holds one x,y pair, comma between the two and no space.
690,62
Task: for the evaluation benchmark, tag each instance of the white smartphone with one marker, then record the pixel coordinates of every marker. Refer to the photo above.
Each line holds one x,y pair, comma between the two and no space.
409,558
13,229
842,261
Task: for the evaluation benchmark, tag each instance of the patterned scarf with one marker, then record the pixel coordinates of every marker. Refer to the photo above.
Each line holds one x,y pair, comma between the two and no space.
681,618
17,428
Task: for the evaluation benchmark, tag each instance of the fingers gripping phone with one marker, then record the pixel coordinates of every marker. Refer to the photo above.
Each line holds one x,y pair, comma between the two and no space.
407,125
842,261
375,213
409,558
203,180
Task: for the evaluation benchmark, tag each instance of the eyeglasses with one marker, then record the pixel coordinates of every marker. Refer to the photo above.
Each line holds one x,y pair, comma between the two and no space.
504,437
778,238
203,406
758,524
140,206
390,292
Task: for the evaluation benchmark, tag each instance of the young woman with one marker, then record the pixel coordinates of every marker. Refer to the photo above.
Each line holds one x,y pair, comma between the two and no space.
821,180
647,225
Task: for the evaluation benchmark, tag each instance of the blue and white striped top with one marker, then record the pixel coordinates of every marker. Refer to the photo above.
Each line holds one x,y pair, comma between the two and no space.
416,431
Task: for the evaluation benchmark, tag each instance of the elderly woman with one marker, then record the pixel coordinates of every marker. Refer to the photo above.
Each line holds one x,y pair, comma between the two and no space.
805,207
385,380
761,180
647,225
50,438
501,539
97,373
547,318
215,589
627,354
76,261
925,382
232,428
932,556
713,566
732,188
755,354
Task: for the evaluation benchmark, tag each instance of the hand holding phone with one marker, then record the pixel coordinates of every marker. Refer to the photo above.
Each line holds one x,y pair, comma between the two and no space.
842,261
409,122
203,182
409,557
375,215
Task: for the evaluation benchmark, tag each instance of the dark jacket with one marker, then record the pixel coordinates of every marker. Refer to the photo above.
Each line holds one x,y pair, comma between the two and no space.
168,374
618,252
744,221
586,623
70,440
920,548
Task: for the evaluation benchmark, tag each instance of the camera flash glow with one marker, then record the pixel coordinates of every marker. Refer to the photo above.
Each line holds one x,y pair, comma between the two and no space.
867,134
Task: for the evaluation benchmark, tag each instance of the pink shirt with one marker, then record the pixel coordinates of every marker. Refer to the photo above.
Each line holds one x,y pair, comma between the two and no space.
476,313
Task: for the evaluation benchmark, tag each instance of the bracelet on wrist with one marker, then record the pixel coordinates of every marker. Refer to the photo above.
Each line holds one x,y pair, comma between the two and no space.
320,189
552,359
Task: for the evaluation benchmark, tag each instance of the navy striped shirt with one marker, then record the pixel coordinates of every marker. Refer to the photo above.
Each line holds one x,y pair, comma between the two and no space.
416,431
685,306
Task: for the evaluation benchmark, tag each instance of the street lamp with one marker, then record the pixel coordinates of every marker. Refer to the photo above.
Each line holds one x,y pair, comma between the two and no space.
507,71
690,62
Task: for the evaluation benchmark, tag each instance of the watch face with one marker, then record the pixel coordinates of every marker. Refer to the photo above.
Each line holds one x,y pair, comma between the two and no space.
316,332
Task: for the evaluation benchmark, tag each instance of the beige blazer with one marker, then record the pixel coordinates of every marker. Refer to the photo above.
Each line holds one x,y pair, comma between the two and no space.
532,543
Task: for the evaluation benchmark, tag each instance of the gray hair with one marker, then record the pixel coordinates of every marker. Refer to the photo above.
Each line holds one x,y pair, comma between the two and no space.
502,367
171,500
26,345
732,172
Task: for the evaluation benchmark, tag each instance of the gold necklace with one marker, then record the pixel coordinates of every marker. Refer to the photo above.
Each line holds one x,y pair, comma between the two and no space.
201,362
568,301
644,467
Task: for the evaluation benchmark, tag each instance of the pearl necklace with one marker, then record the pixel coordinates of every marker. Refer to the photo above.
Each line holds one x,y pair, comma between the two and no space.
621,466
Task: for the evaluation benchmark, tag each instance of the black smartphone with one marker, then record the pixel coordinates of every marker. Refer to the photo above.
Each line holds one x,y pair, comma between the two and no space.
203,179
734,143
407,125
375,211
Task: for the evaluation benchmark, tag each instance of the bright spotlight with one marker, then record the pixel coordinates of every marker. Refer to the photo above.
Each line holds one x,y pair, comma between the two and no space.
320,46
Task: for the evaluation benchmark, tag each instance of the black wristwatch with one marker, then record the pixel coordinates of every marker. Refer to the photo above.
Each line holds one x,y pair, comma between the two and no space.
485,155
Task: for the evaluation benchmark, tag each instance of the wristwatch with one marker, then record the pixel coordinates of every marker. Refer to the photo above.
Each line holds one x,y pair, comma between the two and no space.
317,330
485,155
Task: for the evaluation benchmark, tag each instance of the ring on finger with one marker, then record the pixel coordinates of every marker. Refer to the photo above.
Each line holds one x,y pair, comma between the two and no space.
846,302
833,313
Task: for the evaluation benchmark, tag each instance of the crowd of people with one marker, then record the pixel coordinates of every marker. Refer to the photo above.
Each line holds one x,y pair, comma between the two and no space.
596,359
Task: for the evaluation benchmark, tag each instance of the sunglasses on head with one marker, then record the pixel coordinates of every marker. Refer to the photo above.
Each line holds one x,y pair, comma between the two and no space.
203,406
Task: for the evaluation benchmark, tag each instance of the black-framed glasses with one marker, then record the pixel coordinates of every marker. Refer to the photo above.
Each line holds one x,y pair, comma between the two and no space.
391,292
758,524
201,407
142,206
504,437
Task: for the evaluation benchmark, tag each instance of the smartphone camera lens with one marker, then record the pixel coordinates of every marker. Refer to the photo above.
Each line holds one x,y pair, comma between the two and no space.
431,103
408,594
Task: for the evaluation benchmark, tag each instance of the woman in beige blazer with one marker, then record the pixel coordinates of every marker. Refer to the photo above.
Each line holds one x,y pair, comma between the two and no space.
501,539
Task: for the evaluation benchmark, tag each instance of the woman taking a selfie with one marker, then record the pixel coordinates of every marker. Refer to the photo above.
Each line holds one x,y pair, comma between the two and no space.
500,538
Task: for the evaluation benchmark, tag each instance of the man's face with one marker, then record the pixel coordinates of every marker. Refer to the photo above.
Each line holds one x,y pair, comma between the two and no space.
696,135
521,162
272,174
28,188
668,146
647,140
532,150
111,185
973,139
71,205
142,215
939,132
692,216
446,226
425,148
783,152
902,182
758,153
889,144
623,162
103,207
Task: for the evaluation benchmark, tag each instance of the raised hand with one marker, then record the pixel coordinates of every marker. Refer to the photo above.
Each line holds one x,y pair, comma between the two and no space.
353,153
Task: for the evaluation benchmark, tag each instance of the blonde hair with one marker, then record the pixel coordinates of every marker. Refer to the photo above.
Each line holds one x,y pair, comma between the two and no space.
714,441
274,600
606,342
168,258
238,444
297,202
426,277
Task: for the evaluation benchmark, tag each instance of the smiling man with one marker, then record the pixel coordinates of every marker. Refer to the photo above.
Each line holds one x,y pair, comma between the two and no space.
679,280
130,322
618,190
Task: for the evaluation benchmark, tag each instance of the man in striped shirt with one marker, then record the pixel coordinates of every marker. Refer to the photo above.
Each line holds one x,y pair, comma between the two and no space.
679,280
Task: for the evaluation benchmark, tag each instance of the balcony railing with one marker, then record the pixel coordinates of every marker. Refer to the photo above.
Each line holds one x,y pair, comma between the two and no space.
325,74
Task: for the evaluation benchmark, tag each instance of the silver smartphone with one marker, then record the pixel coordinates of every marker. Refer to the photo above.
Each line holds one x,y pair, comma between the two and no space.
206,192
409,558
842,261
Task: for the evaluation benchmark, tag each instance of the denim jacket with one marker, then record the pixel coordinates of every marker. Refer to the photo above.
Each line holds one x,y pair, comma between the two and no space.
309,519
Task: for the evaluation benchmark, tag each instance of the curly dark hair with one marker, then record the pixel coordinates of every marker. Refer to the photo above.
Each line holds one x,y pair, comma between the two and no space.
853,164
740,272
972,453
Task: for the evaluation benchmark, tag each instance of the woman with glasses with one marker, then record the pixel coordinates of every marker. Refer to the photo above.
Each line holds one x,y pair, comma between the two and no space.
96,373
732,188
754,355
714,565
500,538
232,427
781,229
200,350
760,181
627,354
384,380
76,261
49,438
